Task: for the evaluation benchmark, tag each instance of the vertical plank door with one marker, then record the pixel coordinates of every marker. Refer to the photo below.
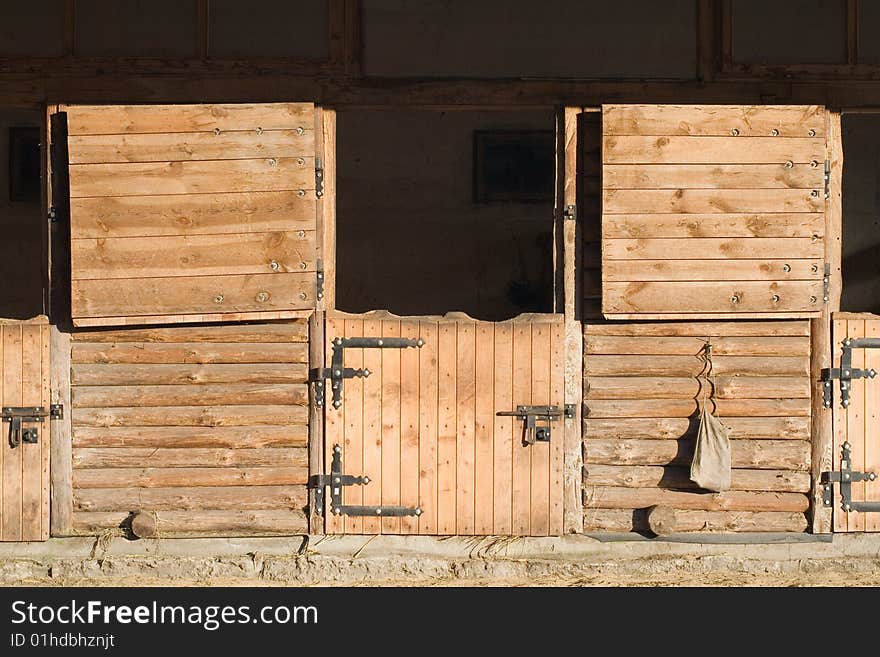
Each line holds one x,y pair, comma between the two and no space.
423,426
858,423
24,467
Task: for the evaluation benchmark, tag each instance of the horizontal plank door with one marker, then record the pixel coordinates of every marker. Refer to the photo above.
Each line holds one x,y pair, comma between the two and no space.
192,213
712,211
424,425
24,466
858,423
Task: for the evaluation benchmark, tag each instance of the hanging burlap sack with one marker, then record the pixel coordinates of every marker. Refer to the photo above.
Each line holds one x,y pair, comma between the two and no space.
710,468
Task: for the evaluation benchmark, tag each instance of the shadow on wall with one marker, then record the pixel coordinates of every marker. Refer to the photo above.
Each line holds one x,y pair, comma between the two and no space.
410,237
861,213
21,250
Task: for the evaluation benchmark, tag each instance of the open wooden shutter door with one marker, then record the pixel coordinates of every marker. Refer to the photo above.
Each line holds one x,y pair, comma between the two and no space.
187,213
712,211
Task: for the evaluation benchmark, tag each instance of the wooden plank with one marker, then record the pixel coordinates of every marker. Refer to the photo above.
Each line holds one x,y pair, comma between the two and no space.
150,477
374,440
390,425
771,224
760,454
710,150
715,176
182,146
327,207
206,497
690,346
297,331
169,374
187,395
702,329
484,426
713,120
129,119
647,476
189,416
315,429
872,426
559,341
45,443
192,255
634,498
353,433
688,520
725,387
609,408
522,454
741,428
658,365
10,508
708,201
713,248
542,364
712,270
202,523
855,425
410,393
193,294
839,330
60,435
195,177
447,359
233,353
429,405
192,214
180,457
31,474
296,435
709,297
465,449
504,434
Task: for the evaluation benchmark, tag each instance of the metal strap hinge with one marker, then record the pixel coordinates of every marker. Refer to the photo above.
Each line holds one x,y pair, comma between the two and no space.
827,179
336,480
337,372
319,177
826,283
845,477
18,415
570,212
846,372
319,280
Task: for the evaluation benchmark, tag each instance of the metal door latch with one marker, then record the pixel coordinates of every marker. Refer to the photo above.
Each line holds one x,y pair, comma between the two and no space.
337,371
845,477
846,373
537,420
336,480
17,415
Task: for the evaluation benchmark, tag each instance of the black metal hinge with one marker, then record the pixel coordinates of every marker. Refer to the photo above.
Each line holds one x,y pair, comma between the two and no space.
570,212
336,480
319,177
846,372
845,477
827,179
17,415
537,419
337,372
826,283
319,276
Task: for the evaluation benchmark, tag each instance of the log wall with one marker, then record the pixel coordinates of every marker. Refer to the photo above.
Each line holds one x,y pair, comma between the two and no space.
640,423
204,429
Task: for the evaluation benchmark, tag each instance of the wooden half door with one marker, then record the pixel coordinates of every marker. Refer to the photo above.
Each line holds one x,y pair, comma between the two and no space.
713,211
24,454
424,425
190,213
856,425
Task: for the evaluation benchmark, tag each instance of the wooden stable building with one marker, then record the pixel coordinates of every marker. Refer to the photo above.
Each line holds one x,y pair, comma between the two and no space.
362,267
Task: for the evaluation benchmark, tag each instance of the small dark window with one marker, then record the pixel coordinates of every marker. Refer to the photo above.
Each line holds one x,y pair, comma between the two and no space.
24,164
513,165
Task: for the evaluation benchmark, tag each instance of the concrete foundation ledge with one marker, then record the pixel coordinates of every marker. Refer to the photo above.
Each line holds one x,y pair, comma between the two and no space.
780,560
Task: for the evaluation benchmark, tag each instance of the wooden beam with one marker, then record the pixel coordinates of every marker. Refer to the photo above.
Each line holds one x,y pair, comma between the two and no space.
201,35
708,45
327,207
316,421
822,458
568,227
852,32
69,28
353,46
726,34
61,464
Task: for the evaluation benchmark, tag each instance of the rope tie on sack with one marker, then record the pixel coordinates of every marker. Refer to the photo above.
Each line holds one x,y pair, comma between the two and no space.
707,374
